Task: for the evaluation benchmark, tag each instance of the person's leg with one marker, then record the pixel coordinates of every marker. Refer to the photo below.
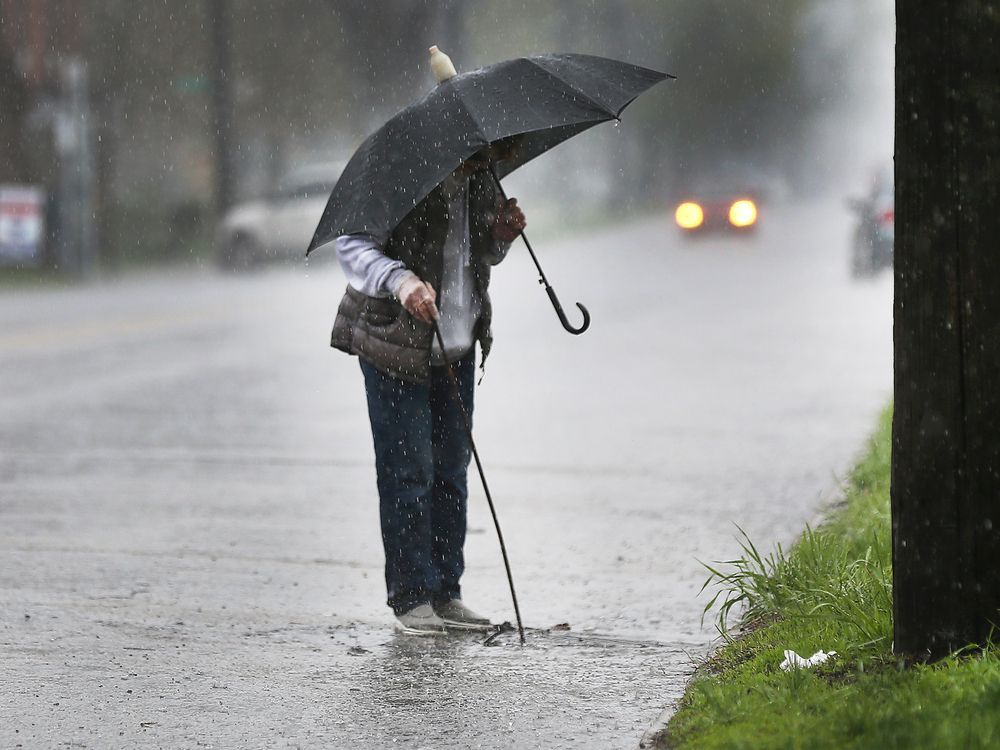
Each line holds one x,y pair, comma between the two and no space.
400,416
452,453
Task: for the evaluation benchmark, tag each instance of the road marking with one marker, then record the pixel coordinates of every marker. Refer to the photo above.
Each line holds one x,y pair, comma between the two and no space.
81,333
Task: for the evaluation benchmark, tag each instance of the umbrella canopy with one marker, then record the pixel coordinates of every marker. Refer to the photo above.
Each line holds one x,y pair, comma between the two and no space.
523,107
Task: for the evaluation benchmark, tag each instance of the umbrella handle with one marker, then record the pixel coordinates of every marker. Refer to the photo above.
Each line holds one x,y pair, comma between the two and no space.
541,275
562,315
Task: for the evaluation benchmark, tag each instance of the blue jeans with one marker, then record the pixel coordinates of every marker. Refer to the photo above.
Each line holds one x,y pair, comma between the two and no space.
421,460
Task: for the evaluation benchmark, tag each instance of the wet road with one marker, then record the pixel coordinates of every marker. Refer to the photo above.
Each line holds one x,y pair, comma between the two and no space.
189,548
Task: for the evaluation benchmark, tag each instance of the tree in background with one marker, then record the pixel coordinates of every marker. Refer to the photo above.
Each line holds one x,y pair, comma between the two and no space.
385,48
746,96
310,78
13,105
742,98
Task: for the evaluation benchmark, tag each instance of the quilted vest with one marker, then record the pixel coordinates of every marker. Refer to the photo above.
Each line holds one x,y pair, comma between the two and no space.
379,329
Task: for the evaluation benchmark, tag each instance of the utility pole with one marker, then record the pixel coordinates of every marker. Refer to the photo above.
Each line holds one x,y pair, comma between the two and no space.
946,428
222,102
77,184
39,31
14,102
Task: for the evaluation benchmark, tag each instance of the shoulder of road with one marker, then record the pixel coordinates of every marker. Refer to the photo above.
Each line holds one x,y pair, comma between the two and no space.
831,592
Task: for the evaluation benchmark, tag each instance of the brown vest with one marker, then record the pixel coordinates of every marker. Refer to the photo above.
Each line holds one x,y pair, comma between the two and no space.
380,330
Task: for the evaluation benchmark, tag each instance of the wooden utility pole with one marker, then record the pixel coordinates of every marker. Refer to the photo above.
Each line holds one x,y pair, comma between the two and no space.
946,429
222,102
14,106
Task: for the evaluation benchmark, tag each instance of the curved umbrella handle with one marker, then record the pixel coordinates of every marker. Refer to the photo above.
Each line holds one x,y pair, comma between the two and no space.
541,275
562,315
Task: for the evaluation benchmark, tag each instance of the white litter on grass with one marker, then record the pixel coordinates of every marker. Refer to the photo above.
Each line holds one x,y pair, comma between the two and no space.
794,661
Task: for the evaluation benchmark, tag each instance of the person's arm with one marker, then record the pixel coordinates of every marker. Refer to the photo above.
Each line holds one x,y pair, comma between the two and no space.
375,274
366,267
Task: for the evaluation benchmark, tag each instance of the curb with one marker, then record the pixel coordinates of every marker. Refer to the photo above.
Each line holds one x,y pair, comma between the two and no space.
656,731
655,734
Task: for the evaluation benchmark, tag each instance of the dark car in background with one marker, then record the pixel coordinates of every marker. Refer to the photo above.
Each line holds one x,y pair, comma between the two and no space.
735,211
725,199
280,225
875,230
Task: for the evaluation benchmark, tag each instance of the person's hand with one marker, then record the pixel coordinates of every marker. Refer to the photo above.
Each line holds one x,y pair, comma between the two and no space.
418,297
510,221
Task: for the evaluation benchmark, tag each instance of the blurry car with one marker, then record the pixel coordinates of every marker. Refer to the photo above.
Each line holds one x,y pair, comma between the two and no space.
726,198
280,226
875,232
727,211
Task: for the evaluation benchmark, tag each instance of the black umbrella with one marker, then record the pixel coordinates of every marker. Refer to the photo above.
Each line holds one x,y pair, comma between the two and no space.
521,107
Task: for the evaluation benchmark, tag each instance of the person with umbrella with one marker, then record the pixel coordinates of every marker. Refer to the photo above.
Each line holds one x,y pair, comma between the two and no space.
418,218
434,266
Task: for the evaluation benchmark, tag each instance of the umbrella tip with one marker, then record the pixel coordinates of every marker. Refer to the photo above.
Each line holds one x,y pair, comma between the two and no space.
441,64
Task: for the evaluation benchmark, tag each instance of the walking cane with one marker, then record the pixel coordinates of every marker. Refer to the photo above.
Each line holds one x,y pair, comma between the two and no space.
479,465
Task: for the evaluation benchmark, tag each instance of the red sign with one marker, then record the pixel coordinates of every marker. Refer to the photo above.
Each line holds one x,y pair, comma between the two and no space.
22,223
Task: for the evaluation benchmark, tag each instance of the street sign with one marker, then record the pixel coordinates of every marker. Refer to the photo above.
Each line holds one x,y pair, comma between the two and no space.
22,224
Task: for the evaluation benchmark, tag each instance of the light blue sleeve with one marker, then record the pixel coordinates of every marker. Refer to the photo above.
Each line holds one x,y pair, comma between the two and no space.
366,267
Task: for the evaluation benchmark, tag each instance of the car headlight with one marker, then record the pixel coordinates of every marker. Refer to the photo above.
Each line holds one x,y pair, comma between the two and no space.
743,213
689,215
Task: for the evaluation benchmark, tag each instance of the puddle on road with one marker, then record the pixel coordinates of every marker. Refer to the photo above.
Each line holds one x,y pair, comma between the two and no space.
560,689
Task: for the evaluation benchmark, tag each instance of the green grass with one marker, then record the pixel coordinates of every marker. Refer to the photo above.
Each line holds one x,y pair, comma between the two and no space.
831,591
16,277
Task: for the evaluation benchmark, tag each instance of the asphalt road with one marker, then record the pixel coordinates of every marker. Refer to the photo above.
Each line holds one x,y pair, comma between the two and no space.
189,544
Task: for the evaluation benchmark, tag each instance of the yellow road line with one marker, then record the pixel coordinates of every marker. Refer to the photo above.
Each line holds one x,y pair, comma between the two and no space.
89,331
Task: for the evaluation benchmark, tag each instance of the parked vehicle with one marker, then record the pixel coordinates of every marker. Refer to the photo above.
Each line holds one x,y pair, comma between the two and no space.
280,226
875,233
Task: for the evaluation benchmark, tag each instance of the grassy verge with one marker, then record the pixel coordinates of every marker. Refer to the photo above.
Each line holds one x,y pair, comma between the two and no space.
831,591
15,277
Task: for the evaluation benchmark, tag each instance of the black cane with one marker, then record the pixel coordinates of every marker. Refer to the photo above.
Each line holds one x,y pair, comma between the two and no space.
479,465
541,276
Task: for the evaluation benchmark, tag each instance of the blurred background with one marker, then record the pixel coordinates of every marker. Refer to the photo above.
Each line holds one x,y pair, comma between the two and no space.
159,133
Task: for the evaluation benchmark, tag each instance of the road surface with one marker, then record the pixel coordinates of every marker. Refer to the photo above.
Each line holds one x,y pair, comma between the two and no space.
189,543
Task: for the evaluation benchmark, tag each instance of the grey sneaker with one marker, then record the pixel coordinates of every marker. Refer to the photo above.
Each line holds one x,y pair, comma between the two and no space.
420,620
455,614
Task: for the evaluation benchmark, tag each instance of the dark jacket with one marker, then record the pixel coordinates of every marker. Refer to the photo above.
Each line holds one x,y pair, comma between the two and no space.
380,330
